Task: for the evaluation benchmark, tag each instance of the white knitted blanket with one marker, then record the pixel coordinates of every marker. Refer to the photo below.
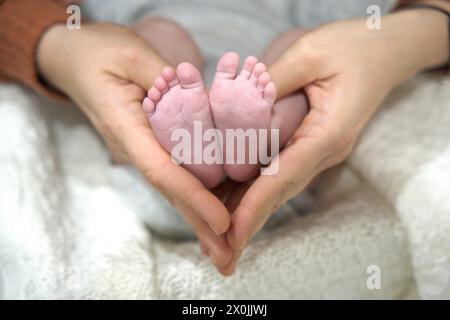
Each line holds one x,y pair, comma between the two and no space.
68,228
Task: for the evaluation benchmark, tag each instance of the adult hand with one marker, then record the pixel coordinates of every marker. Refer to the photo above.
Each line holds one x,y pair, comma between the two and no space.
346,70
106,69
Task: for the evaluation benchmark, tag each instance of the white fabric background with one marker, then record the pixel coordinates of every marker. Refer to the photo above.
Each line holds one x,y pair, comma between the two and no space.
67,231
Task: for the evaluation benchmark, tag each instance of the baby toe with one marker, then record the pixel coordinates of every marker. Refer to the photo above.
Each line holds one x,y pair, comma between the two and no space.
189,76
148,106
263,80
227,66
247,68
169,75
161,84
154,94
257,71
270,92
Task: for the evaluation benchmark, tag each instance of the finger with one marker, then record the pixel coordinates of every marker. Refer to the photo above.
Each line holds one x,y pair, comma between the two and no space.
294,69
216,247
203,248
297,166
180,187
314,148
117,157
118,160
204,212
230,268
143,65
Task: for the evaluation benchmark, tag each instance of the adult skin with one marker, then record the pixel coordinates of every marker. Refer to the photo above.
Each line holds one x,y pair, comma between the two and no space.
346,71
106,70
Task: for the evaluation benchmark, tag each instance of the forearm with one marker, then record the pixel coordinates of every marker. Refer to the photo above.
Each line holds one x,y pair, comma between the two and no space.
420,38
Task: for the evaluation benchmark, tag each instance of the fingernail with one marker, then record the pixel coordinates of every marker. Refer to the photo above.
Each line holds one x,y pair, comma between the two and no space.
213,228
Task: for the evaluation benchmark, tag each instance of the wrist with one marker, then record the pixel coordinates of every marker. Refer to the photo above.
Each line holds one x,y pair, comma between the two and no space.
50,55
419,38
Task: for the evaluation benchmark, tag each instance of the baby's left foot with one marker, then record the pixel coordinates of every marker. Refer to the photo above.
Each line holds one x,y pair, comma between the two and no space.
177,101
244,102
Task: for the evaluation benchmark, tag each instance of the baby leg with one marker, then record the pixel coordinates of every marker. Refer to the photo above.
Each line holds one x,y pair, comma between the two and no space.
289,111
171,41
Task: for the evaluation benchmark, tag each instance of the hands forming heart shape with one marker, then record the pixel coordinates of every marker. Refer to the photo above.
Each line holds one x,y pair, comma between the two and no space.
236,104
107,69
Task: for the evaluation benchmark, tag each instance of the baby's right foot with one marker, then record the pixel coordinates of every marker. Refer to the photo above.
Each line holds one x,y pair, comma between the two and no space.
175,102
241,101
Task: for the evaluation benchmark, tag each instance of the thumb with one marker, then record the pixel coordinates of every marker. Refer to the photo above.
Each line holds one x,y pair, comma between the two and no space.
179,186
143,64
294,69
298,165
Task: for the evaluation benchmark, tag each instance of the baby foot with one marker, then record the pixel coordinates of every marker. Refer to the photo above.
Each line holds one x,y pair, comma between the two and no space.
174,102
243,102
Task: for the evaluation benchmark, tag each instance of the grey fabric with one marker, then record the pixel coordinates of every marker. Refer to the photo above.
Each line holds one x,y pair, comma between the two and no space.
244,26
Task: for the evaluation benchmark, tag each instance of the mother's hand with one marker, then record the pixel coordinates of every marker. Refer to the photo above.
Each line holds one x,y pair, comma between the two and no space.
346,70
105,70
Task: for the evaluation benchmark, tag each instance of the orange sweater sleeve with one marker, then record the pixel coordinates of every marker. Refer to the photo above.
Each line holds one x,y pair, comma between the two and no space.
402,3
22,23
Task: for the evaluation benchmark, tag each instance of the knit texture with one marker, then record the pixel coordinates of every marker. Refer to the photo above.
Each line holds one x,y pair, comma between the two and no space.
68,231
22,23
